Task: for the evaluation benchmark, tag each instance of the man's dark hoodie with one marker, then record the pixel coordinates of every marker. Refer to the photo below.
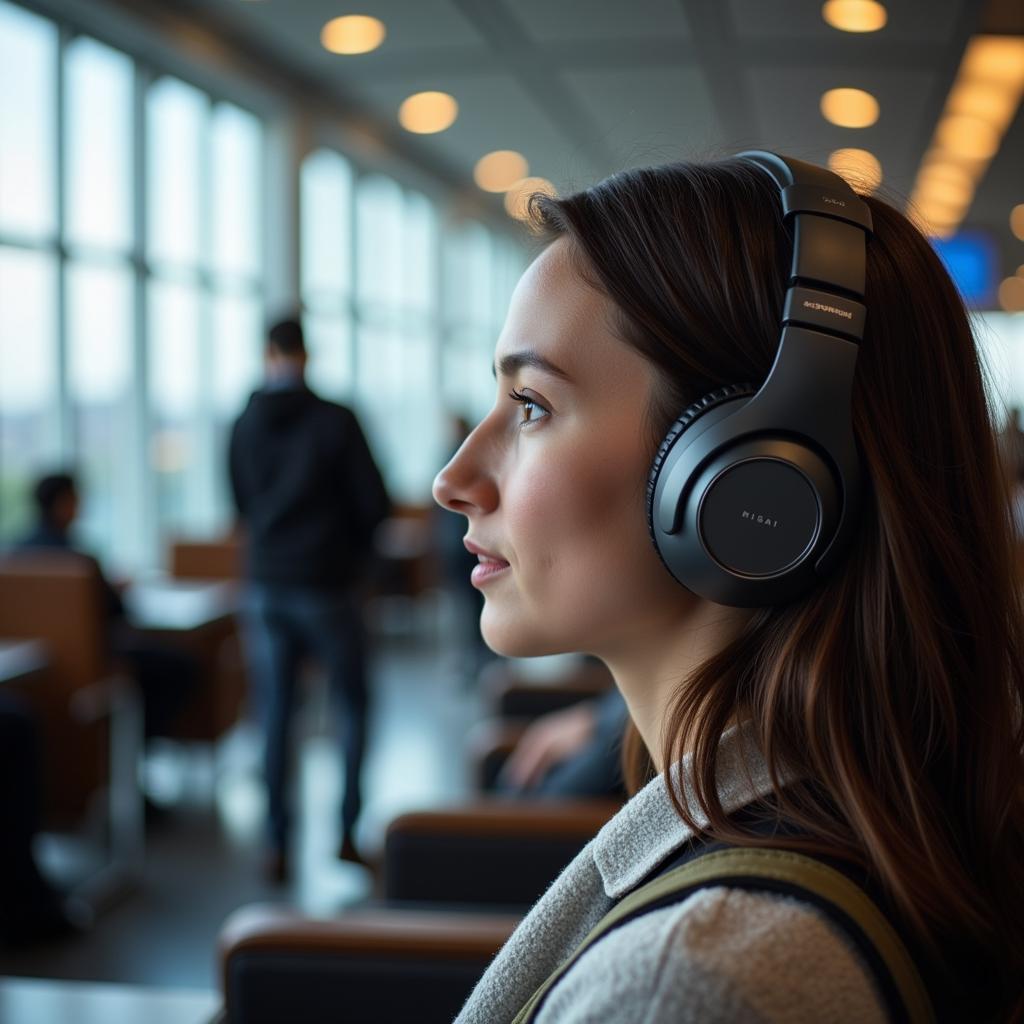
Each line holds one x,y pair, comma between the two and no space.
308,493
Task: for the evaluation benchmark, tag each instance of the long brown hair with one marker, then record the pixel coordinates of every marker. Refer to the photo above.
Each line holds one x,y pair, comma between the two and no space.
896,688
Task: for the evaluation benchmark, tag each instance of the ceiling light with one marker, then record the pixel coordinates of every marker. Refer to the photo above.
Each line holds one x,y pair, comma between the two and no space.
948,193
428,112
1017,221
967,136
354,33
854,15
941,168
990,101
1011,294
500,170
849,108
995,59
517,197
858,167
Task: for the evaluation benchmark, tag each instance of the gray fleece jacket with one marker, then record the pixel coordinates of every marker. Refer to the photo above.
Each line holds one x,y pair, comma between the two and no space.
720,955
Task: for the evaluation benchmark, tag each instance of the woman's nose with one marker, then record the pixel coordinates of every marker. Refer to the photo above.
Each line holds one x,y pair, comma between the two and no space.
464,485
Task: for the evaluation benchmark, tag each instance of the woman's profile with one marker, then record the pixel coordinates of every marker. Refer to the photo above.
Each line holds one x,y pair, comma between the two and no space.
869,717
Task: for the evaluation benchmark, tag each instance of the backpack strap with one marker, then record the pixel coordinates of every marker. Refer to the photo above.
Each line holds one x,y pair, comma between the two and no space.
767,867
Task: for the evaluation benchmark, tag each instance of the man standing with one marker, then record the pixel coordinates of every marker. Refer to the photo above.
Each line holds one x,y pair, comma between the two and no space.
309,498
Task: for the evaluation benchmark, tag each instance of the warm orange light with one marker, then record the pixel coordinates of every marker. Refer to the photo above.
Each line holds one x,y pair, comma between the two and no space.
942,169
428,112
1017,221
1011,294
949,193
995,59
859,167
517,197
967,136
354,33
849,108
854,15
989,101
500,170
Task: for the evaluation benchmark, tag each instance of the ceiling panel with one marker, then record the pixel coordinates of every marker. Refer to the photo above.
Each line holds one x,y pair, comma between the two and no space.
545,21
648,116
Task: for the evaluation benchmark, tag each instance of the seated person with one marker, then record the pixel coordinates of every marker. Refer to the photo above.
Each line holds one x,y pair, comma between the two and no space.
165,675
575,752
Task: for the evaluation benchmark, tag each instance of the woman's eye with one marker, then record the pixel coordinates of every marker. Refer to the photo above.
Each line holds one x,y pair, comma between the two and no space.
532,410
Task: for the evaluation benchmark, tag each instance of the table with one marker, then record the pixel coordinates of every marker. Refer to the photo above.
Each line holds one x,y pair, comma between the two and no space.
197,616
45,1001
170,605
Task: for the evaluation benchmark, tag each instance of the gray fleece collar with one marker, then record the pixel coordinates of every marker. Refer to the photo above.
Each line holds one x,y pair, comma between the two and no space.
648,829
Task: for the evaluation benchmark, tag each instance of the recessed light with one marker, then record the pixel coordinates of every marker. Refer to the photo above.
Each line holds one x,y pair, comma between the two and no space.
428,112
500,170
353,33
1017,221
518,196
849,108
858,166
967,136
1011,294
855,15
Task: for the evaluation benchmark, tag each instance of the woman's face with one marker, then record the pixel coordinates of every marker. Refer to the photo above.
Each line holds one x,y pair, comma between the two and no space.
553,484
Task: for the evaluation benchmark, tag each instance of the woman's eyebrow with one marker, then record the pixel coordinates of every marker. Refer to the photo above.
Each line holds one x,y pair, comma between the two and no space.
509,365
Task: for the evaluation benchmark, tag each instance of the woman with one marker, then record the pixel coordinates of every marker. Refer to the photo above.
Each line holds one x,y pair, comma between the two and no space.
874,719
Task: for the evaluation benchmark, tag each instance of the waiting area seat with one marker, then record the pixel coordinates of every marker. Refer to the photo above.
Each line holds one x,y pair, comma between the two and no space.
86,707
362,967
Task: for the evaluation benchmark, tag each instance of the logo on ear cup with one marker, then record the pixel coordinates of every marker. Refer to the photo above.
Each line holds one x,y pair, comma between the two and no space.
778,541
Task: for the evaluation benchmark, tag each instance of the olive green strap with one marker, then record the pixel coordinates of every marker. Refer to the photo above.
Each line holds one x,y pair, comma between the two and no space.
780,865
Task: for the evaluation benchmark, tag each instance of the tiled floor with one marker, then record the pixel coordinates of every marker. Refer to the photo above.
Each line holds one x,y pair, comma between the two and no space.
204,859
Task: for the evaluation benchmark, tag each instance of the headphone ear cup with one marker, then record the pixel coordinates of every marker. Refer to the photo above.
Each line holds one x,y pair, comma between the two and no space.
684,422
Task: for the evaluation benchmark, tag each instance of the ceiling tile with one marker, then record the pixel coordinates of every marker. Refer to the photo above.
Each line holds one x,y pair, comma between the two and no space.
648,116
550,21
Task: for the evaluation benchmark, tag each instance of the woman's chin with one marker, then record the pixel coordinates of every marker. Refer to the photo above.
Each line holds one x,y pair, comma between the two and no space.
511,641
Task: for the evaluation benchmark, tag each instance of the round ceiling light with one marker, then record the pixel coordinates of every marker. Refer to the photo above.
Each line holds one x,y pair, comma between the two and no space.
500,170
858,166
518,196
849,108
855,15
353,33
428,112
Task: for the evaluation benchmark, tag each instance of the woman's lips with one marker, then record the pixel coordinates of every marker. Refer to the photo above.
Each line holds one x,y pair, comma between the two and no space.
487,570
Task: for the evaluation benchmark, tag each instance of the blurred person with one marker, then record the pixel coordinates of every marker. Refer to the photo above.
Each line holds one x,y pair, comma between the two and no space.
792,719
573,752
165,675
309,498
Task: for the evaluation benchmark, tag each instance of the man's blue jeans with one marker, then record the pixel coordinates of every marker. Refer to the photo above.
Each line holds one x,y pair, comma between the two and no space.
284,623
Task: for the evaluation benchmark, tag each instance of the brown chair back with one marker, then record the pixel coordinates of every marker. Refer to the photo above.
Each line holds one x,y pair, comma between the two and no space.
57,598
206,559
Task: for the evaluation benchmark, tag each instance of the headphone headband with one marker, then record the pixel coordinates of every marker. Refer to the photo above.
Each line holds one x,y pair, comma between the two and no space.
752,497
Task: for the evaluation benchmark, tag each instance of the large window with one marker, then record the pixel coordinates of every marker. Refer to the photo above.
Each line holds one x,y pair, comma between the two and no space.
30,434
401,313
132,282
130,312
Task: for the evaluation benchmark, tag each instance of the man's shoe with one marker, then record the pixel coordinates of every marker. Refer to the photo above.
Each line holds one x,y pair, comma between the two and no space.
276,868
349,852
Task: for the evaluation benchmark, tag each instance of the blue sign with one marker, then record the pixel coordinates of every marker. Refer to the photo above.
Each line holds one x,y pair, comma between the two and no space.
972,262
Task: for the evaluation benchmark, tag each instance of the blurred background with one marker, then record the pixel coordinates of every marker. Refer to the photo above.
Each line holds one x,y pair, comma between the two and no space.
177,175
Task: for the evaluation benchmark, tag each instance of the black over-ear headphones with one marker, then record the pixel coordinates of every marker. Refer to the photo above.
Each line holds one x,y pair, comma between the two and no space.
754,494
